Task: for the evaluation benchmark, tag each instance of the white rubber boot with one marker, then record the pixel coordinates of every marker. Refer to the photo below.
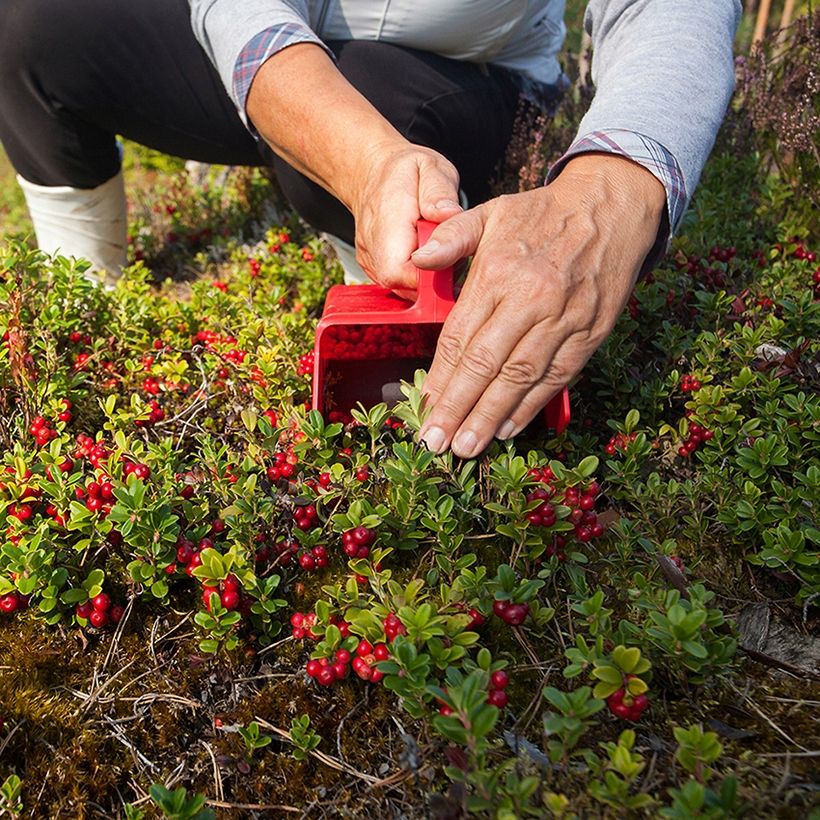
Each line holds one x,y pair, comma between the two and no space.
84,223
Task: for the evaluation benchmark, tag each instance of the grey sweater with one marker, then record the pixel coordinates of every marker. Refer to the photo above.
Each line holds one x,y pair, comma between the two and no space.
663,69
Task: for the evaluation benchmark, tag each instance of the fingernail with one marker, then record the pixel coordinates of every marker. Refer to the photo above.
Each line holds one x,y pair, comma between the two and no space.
506,430
434,438
447,203
431,247
465,443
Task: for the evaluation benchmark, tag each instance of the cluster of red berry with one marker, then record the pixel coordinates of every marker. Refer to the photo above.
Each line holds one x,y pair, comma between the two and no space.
697,435
99,612
305,365
392,627
688,383
800,252
135,468
27,497
497,696
96,453
581,502
155,414
315,558
375,342
707,275
306,517
189,554
76,338
302,624
41,428
357,541
229,593
544,514
619,442
512,614
326,671
582,514
216,342
151,385
283,239
626,706
98,496
284,465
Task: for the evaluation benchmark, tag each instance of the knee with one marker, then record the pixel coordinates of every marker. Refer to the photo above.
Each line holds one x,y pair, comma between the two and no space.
23,21
24,27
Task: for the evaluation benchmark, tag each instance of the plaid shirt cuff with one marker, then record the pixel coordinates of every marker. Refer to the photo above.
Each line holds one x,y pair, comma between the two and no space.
259,48
643,150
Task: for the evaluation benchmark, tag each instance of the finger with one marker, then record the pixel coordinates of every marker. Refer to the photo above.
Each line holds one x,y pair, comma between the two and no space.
472,310
385,253
453,240
438,190
521,391
482,360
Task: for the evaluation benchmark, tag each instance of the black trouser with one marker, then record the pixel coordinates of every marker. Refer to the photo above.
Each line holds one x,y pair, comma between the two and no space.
73,74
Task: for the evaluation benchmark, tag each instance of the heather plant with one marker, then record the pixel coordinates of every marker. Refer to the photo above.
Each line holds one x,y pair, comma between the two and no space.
552,629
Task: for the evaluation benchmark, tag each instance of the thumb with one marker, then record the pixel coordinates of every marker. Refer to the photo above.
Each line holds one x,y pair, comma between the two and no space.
451,241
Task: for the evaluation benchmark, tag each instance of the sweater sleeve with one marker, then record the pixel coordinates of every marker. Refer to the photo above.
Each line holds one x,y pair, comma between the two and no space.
664,73
239,36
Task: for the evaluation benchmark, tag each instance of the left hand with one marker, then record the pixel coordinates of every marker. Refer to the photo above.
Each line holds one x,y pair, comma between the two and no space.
552,271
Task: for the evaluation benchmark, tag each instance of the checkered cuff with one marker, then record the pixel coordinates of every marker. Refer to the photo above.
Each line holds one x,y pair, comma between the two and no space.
643,150
259,48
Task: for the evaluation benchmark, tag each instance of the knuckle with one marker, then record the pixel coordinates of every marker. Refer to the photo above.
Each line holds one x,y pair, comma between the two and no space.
446,409
519,373
557,374
449,350
479,361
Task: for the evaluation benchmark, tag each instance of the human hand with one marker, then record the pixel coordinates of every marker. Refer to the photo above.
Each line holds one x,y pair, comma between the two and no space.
400,183
552,271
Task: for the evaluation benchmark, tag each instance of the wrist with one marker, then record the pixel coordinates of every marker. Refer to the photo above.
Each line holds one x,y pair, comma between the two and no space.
619,178
312,117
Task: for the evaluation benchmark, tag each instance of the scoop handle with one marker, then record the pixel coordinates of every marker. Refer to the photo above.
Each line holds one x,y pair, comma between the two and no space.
434,292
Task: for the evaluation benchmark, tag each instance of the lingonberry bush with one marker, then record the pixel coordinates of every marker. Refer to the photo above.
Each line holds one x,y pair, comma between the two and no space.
192,560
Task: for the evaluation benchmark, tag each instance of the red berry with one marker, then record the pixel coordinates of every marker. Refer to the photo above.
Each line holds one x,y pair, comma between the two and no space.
98,619
84,610
516,614
362,536
476,619
185,552
498,697
102,603
8,603
499,679
313,668
230,599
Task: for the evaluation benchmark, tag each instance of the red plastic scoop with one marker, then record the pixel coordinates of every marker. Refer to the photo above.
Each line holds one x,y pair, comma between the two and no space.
369,340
